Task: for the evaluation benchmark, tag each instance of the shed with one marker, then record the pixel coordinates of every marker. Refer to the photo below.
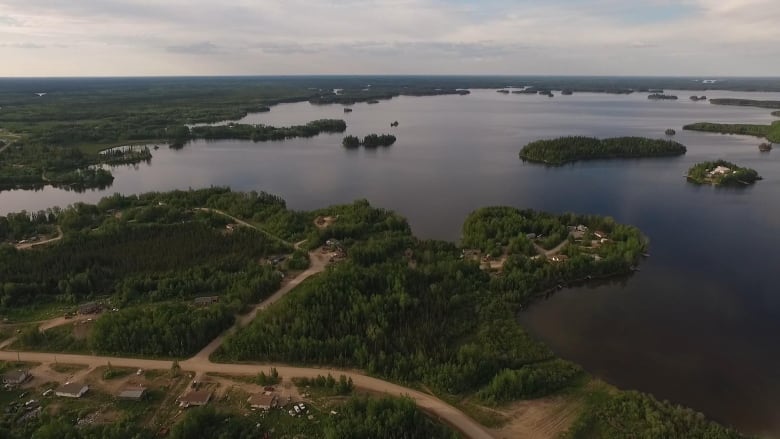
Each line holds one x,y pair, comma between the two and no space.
205,301
132,393
195,398
263,401
72,390
89,308
16,377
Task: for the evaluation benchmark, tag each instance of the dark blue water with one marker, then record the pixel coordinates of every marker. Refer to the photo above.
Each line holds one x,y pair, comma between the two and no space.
699,325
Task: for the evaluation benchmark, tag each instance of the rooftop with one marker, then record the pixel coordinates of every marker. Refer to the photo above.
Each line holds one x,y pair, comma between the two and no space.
132,393
71,388
196,397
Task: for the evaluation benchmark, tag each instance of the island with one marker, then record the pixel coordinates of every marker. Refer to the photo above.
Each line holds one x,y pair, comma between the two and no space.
776,113
770,132
765,147
722,173
661,97
670,132
503,91
348,110
369,141
564,150
698,98
567,92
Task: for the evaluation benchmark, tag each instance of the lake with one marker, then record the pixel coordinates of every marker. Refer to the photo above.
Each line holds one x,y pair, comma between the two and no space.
699,324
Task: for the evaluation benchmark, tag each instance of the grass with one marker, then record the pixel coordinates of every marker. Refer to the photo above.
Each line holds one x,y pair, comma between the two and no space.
67,367
114,372
35,312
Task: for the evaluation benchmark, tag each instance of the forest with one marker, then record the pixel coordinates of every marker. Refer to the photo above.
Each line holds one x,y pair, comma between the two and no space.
703,173
746,103
609,415
369,141
770,132
263,133
396,290
556,152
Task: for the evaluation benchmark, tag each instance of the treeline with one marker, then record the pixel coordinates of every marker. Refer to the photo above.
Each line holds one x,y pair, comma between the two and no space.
262,133
771,132
571,149
167,330
369,141
746,103
661,97
609,415
529,381
702,173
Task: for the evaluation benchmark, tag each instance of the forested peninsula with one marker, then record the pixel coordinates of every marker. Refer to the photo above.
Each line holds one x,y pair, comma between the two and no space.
746,103
770,132
556,152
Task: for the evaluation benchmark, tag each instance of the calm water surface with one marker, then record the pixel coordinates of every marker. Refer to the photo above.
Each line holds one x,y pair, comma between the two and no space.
699,325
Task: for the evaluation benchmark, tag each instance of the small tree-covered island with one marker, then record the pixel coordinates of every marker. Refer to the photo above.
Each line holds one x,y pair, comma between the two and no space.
556,152
722,173
370,141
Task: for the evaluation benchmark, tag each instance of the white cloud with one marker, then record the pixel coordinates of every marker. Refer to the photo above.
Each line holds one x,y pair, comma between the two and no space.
724,37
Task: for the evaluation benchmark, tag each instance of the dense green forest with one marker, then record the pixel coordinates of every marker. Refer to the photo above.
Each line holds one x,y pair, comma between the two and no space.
611,415
704,173
262,133
369,141
746,103
395,290
571,149
771,132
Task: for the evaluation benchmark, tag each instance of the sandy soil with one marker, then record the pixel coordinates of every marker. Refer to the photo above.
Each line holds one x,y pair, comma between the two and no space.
544,418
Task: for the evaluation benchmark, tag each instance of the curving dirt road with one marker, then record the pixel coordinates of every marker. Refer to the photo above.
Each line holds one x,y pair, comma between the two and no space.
246,224
30,245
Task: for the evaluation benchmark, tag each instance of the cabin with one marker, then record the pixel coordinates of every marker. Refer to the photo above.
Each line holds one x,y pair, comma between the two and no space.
205,301
230,228
720,170
559,258
263,401
600,235
90,308
132,393
195,398
530,236
72,390
16,377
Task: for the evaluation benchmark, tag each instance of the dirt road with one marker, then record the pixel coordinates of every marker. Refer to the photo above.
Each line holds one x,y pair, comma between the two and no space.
30,245
318,264
246,224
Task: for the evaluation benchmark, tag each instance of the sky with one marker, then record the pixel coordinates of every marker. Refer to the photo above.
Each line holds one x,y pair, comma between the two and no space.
495,37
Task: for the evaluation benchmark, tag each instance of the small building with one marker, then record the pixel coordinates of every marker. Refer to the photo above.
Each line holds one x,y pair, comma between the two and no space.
16,377
720,170
559,258
72,390
132,393
195,398
206,300
582,228
263,401
90,308
230,228
531,236
600,235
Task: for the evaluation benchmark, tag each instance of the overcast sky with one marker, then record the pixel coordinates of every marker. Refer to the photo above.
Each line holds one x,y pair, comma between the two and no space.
205,37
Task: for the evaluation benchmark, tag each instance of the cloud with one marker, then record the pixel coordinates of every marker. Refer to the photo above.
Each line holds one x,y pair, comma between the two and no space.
201,48
397,36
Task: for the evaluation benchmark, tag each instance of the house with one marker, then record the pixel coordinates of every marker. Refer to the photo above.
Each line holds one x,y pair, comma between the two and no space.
582,228
263,401
600,235
531,236
72,390
90,308
720,170
132,393
206,300
195,398
230,228
16,377
559,258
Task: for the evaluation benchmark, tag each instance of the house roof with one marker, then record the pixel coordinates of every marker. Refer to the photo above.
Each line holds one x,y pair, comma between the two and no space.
262,400
196,397
207,299
132,393
15,375
71,388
